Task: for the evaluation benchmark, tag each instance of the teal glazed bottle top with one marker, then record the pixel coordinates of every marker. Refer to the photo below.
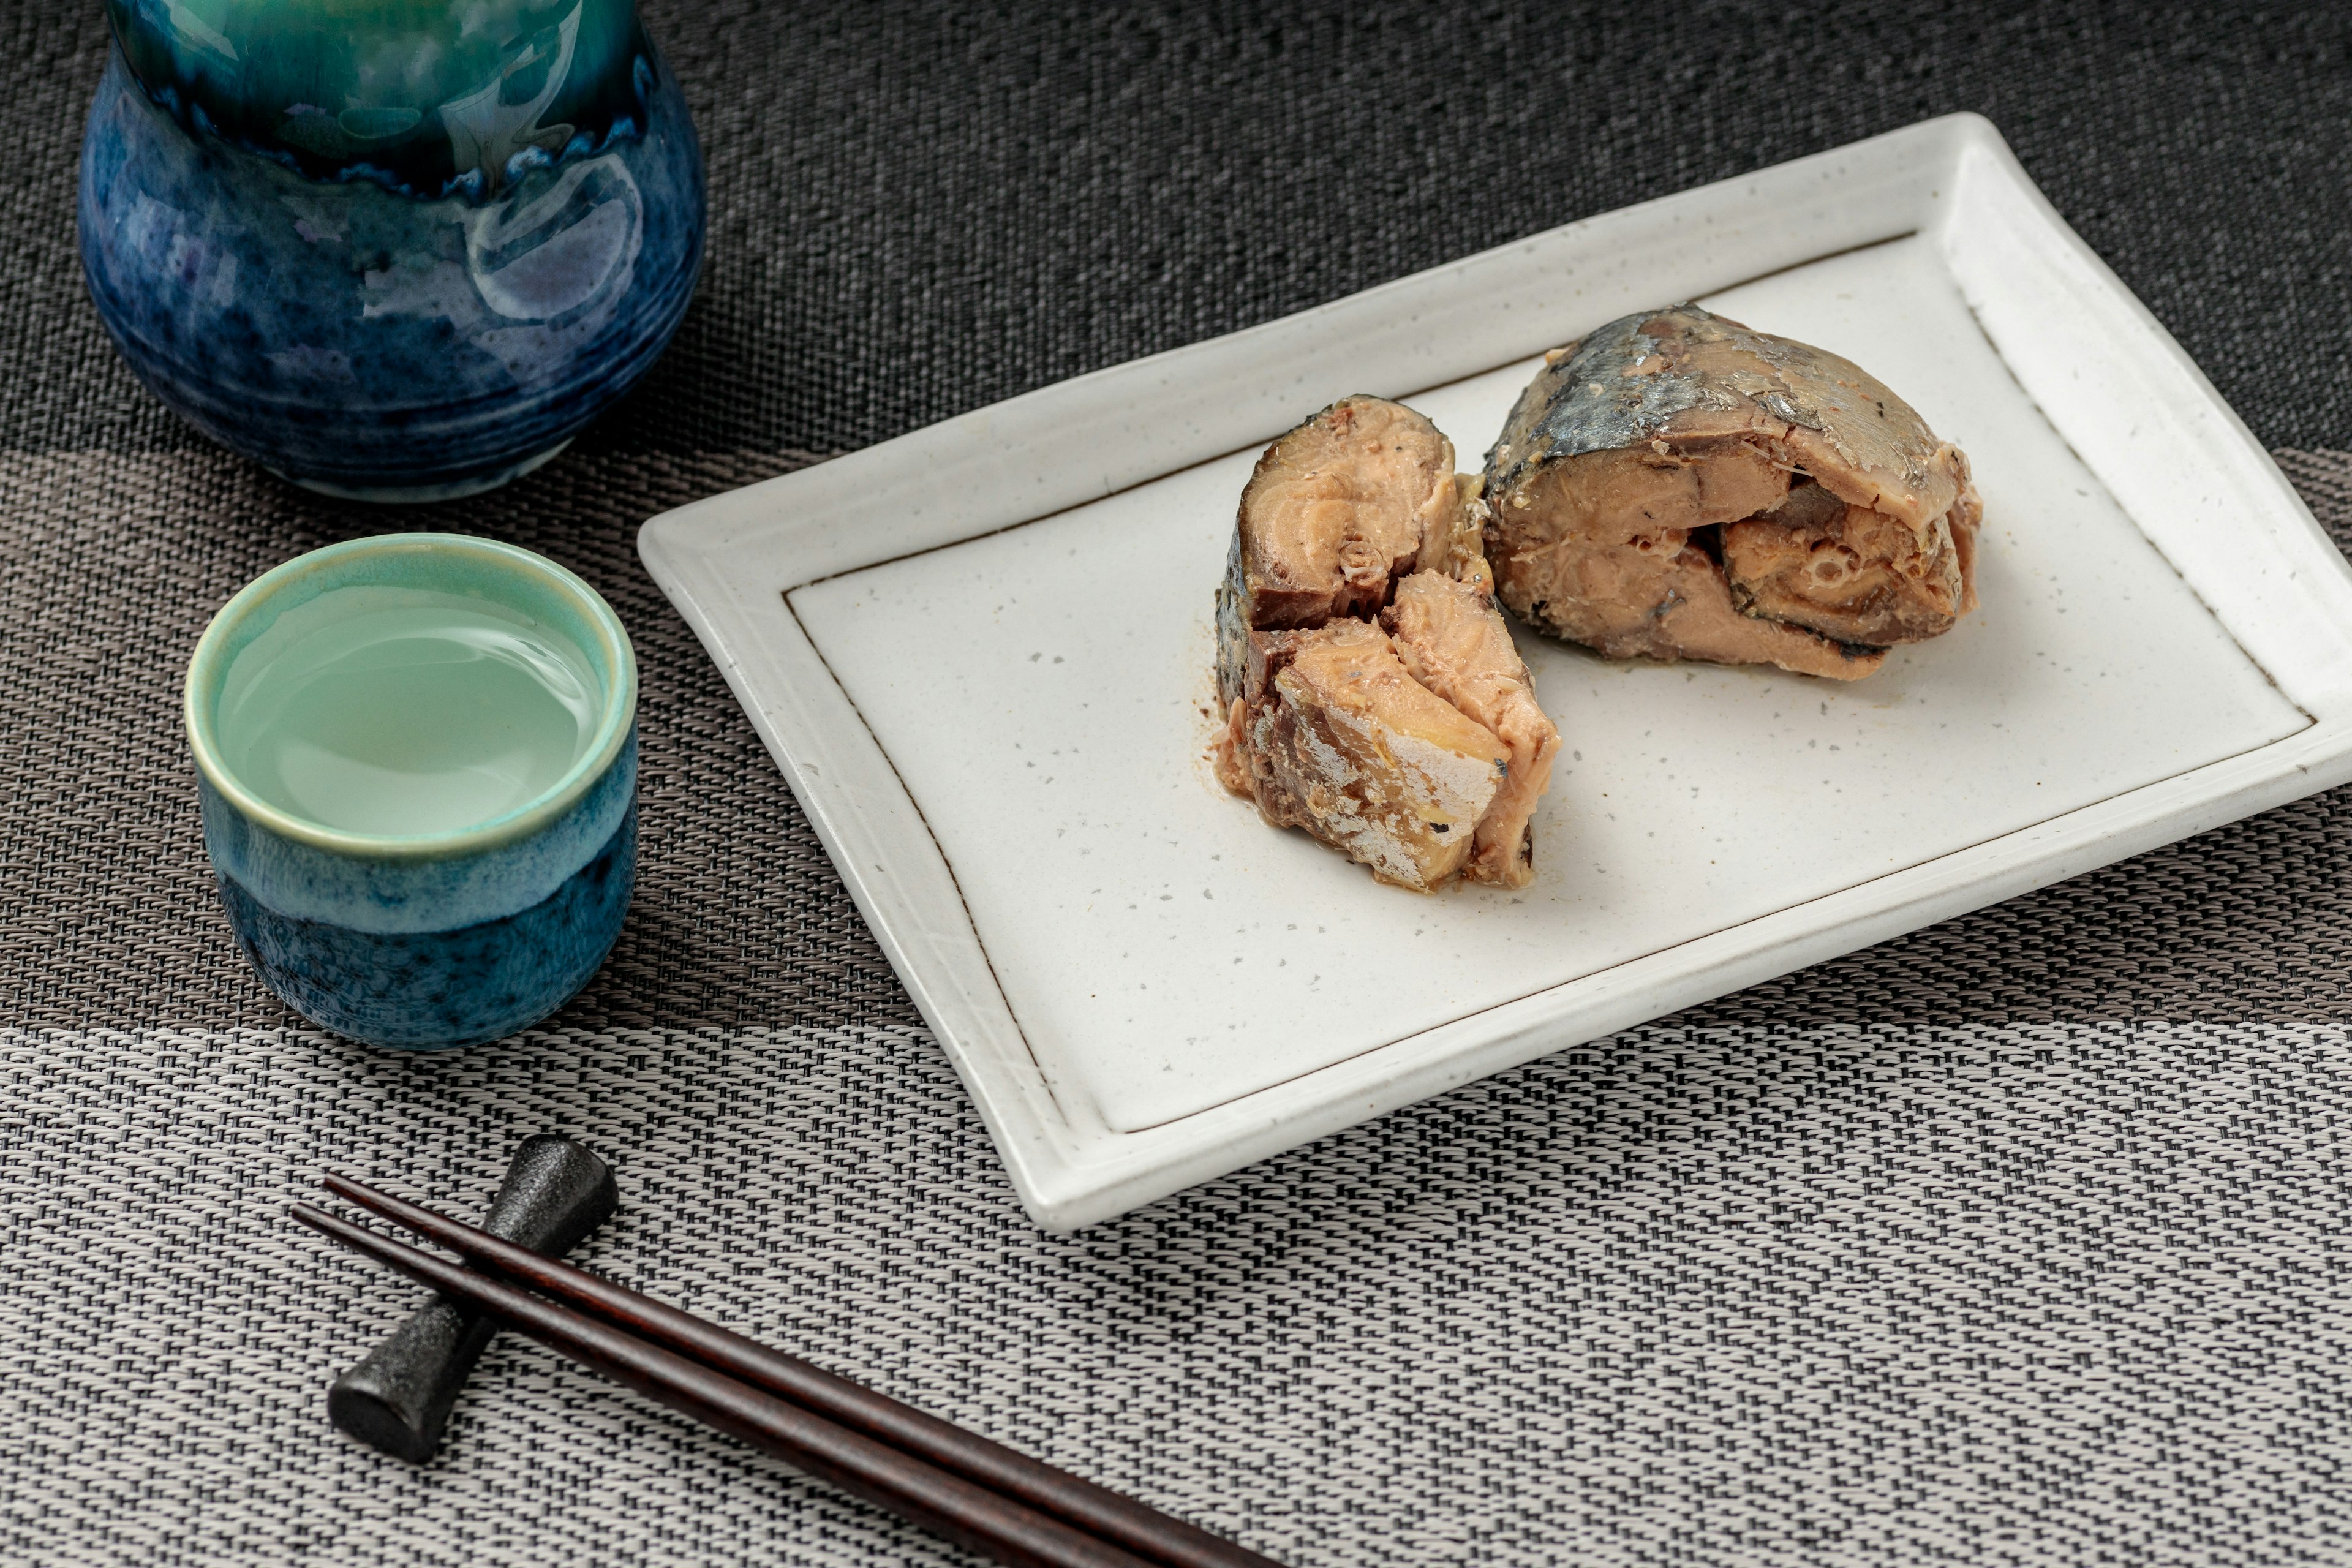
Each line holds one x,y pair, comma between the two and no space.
457,98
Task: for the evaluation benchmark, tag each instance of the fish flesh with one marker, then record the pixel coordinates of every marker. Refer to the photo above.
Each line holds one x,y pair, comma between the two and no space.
1333,514
1678,485
1449,638
1347,745
1370,691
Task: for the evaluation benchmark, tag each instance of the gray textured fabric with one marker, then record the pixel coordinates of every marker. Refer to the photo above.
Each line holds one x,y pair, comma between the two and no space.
2035,1295
2019,1240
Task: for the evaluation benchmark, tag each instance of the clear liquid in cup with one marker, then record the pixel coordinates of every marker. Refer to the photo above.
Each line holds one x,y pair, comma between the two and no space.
403,712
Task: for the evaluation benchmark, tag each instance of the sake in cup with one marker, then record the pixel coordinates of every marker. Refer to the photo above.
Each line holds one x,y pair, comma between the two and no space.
417,757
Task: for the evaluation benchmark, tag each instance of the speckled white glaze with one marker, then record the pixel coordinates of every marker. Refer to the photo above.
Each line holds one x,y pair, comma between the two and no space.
981,653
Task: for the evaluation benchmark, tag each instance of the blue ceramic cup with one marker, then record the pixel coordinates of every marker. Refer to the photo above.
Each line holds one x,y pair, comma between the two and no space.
417,758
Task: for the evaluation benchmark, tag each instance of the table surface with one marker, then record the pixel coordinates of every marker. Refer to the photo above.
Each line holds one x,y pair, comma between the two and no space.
2020,1240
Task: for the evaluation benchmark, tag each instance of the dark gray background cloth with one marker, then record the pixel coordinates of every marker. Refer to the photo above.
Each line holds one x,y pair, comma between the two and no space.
919,209
2019,1240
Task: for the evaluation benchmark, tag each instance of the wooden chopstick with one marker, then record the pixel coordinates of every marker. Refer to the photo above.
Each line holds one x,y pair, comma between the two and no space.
1145,1531
970,1514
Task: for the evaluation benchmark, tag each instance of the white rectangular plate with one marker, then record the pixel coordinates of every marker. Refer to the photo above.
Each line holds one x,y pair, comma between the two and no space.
981,655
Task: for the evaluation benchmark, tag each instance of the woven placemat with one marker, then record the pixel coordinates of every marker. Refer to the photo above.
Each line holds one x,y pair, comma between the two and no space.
2019,1240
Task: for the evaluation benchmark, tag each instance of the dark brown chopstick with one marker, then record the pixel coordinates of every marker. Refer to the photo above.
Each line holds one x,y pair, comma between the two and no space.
972,1515
1144,1531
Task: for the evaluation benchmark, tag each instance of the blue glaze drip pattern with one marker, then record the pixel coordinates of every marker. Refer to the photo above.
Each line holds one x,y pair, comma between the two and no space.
371,342
386,896
428,100
438,990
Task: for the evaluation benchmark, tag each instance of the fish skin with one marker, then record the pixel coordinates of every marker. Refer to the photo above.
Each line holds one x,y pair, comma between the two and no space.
1685,389
1596,396
1568,409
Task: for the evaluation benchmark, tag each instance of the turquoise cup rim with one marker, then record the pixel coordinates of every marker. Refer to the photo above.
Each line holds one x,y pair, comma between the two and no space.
222,641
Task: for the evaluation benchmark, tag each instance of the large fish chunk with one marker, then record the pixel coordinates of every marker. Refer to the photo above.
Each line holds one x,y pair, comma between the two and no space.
1680,485
1421,756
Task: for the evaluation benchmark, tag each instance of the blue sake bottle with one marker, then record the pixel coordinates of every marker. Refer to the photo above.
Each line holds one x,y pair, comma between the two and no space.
390,249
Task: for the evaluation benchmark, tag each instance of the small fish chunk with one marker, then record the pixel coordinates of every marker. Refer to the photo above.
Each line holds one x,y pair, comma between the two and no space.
1449,637
1421,755
1680,485
1348,745
1339,509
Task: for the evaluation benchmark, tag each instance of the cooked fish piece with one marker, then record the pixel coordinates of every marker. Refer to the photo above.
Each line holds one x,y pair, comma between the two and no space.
1854,573
1345,743
1450,637
1681,486
1422,756
1334,513
1455,545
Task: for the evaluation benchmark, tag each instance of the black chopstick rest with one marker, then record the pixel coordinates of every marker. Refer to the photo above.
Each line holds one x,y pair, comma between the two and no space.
398,1399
